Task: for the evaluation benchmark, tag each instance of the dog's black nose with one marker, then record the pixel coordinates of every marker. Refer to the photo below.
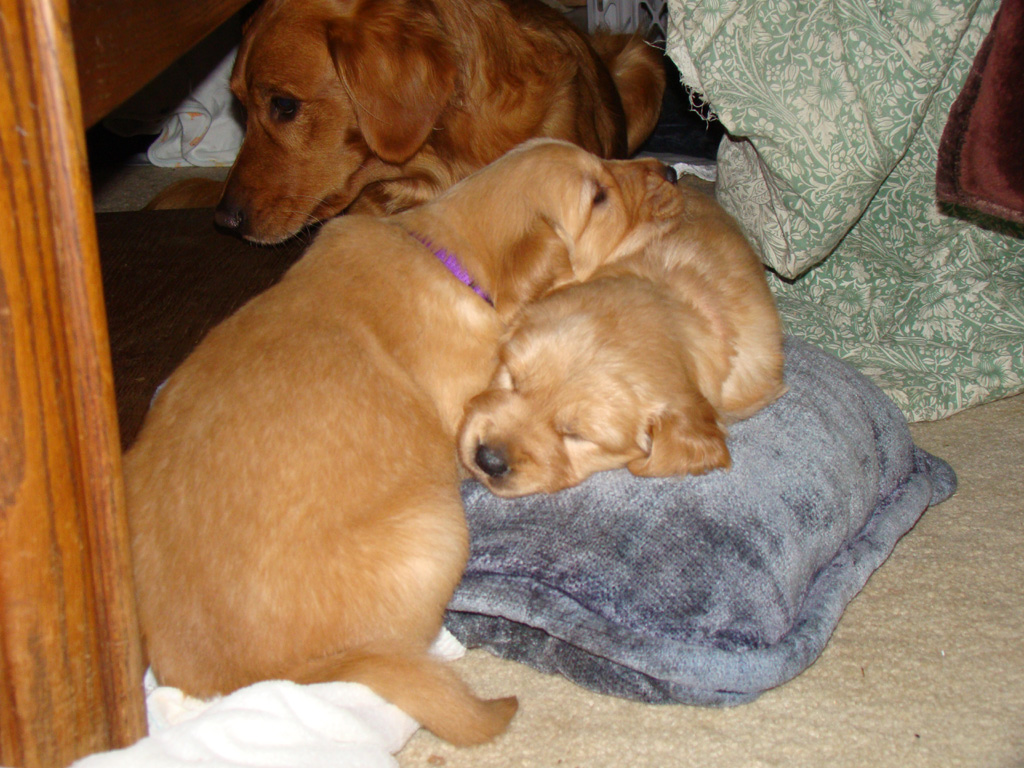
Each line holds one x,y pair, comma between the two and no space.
229,215
491,460
670,174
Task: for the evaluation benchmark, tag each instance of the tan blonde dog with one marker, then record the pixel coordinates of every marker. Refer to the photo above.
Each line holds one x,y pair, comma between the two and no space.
375,106
293,493
642,366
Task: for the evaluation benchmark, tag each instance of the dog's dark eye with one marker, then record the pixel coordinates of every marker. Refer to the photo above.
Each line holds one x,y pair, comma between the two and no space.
601,195
284,109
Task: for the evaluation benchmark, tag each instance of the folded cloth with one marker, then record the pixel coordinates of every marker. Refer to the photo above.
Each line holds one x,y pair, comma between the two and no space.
979,164
204,129
190,107
274,724
708,589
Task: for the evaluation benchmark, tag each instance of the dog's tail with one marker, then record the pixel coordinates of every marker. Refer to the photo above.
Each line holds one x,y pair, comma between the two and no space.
638,69
423,687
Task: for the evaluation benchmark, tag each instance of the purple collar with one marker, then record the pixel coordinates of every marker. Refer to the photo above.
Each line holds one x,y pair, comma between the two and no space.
453,265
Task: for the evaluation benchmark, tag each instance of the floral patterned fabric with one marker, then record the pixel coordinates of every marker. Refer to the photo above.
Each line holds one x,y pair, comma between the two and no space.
836,109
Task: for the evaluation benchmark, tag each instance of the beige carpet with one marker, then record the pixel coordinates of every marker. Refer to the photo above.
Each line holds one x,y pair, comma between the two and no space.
926,667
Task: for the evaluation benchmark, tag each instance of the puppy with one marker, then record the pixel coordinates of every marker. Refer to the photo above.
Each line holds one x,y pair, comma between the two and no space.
643,366
293,494
374,106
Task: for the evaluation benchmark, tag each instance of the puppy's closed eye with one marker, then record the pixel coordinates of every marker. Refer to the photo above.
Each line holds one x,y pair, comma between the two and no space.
570,433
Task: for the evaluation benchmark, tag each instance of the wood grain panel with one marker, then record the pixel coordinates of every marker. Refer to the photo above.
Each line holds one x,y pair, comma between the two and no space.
120,45
70,664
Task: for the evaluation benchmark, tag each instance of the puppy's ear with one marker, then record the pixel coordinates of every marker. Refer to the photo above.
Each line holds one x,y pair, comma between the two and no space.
536,263
399,71
681,442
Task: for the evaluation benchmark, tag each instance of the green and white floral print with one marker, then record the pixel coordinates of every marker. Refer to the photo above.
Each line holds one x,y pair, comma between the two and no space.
837,108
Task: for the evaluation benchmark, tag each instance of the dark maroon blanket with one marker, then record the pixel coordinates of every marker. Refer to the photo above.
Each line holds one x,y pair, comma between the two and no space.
981,155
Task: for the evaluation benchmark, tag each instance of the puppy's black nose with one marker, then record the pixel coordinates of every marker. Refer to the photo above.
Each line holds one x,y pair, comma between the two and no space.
229,215
491,460
670,174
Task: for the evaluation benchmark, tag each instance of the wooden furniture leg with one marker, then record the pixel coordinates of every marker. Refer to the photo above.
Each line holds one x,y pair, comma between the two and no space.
70,664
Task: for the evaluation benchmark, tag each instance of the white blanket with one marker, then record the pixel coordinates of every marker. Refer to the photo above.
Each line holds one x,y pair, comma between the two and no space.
275,724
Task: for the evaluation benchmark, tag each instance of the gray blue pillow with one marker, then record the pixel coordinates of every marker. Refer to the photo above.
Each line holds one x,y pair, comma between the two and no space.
710,589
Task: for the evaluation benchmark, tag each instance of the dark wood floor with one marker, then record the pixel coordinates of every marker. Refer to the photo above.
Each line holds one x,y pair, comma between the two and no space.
168,277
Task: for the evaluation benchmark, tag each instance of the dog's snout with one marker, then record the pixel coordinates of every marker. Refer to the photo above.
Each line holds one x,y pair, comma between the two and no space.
229,215
491,460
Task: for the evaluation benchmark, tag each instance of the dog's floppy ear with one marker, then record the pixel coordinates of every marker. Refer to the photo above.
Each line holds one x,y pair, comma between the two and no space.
399,71
682,441
536,263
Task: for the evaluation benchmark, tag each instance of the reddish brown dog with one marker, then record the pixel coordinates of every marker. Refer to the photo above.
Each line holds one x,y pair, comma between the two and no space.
375,106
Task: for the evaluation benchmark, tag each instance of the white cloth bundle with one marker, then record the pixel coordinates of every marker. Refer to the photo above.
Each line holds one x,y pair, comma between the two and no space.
274,724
